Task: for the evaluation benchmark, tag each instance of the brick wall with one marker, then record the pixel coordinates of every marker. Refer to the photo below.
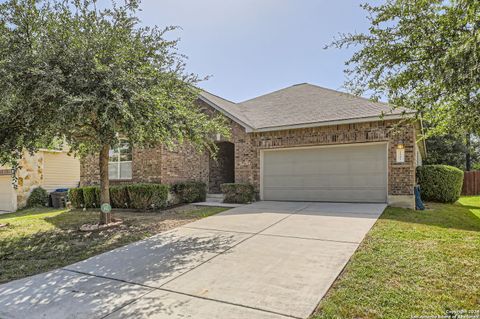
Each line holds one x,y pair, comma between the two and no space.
154,165
184,164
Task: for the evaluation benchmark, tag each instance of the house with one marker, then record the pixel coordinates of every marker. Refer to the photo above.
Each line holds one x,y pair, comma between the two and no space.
50,169
301,143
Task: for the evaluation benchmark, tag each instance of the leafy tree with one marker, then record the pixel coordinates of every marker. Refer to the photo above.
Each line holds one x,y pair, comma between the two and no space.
424,55
452,150
92,76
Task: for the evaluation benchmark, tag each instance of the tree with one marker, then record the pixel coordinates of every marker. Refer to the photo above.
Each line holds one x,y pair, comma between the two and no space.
423,55
453,150
69,70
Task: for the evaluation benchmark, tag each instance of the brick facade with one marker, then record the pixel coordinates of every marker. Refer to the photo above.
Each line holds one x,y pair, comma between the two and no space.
155,165
160,165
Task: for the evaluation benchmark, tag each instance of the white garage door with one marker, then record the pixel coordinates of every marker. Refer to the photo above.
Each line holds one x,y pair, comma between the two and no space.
350,173
8,200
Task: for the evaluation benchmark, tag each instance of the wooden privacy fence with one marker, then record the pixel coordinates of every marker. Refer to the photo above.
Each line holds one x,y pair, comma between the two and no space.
471,183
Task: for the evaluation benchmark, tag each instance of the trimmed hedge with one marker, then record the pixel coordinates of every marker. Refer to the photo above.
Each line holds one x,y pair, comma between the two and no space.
191,192
139,196
440,183
119,196
238,193
148,196
91,196
38,198
75,196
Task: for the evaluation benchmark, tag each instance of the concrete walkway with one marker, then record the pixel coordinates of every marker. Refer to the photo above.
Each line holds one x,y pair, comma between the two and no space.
264,260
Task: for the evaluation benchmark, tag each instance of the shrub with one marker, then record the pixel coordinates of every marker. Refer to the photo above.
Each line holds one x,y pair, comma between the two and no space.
75,196
38,198
238,193
119,196
190,192
440,183
148,196
91,196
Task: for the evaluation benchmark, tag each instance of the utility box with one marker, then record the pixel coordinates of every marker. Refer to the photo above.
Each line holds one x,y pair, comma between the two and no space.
59,199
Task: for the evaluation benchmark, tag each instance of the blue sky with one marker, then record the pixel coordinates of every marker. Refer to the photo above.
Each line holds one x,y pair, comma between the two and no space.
252,47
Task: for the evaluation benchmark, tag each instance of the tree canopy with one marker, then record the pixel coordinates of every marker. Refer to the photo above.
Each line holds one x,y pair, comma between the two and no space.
423,55
92,76
452,150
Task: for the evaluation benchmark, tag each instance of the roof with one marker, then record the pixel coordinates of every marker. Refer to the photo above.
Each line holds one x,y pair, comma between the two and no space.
303,105
229,108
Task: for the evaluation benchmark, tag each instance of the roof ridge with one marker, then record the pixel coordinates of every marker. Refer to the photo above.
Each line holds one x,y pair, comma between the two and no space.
253,98
350,94
323,88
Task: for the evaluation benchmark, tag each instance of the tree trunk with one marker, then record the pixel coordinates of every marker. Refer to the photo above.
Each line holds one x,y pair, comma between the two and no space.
105,218
468,156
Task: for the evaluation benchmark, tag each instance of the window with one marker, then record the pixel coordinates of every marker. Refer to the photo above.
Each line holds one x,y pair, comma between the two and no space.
120,162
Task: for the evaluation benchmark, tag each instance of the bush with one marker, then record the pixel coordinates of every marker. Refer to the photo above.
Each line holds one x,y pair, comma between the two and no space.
191,192
91,196
440,183
148,196
38,198
238,193
75,196
119,196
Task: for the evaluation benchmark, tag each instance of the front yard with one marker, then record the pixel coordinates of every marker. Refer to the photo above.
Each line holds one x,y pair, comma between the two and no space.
413,263
43,239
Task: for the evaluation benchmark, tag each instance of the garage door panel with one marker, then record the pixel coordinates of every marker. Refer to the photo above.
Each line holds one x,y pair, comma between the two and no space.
345,173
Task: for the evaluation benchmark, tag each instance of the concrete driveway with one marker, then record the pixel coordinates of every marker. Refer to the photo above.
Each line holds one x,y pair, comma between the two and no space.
264,260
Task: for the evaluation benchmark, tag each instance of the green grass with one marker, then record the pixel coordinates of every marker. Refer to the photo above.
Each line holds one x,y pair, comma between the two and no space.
43,239
412,263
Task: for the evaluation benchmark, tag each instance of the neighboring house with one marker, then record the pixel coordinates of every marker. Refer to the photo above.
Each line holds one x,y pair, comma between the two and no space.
50,169
301,143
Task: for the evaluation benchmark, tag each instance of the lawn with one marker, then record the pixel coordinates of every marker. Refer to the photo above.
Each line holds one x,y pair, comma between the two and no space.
413,263
43,239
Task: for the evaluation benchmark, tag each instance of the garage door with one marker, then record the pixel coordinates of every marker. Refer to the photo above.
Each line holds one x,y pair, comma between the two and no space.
8,200
350,173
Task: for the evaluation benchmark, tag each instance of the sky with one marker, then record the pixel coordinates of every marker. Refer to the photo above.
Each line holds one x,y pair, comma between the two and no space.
252,47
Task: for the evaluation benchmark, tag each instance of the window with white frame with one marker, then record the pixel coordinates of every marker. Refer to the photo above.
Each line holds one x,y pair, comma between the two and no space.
120,161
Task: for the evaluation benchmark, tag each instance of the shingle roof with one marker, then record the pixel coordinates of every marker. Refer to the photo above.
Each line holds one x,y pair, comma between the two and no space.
303,104
232,109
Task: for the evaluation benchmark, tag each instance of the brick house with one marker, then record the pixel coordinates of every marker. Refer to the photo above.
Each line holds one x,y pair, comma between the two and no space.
303,143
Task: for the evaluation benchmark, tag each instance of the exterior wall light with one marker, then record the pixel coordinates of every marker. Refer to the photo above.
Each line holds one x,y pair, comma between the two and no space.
400,153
